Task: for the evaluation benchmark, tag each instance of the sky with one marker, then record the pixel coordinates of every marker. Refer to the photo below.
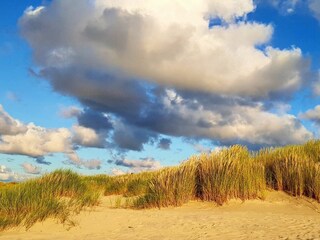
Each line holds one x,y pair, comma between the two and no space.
121,86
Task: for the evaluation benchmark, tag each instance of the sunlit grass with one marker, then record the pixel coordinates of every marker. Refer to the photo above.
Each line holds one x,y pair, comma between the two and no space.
293,169
170,187
220,176
54,195
231,173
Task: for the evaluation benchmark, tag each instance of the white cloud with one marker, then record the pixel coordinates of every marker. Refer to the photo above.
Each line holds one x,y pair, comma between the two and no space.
104,52
31,140
247,123
312,115
87,137
31,11
193,57
7,175
37,141
183,11
144,164
229,10
70,112
31,169
79,162
8,125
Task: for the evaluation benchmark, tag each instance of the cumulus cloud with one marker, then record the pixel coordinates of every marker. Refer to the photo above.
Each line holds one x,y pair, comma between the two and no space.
37,141
130,137
144,164
225,120
70,112
31,169
312,115
100,35
8,125
88,137
146,68
7,175
91,164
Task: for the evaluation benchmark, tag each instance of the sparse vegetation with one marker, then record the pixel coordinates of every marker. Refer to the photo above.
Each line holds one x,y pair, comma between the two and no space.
218,177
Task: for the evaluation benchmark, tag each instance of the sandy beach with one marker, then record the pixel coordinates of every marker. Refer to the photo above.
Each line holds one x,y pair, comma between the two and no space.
278,217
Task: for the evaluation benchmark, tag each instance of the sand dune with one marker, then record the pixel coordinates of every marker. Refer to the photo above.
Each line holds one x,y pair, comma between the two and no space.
278,217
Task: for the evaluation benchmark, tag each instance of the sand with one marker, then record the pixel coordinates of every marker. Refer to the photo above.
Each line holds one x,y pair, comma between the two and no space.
278,217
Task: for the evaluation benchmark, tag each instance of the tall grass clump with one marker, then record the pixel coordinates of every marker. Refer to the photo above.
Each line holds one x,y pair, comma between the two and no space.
170,187
128,185
293,169
57,195
230,173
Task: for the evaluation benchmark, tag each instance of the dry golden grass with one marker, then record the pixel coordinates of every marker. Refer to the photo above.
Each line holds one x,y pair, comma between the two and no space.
218,177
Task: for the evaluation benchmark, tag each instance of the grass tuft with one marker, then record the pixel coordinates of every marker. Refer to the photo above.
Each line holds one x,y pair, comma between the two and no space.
231,173
54,195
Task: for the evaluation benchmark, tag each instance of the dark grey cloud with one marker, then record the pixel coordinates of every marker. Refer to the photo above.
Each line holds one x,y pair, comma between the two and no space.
94,119
99,90
131,137
164,143
41,160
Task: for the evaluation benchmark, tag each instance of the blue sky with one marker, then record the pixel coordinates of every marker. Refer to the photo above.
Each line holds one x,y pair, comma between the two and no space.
103,86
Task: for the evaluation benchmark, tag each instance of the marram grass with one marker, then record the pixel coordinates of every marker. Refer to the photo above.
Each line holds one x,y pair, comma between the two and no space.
54,195
293,169
231,173
170,187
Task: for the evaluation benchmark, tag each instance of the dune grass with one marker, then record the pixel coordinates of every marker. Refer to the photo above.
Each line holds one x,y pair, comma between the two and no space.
231,173
57,195
170,187
294,169
127,185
